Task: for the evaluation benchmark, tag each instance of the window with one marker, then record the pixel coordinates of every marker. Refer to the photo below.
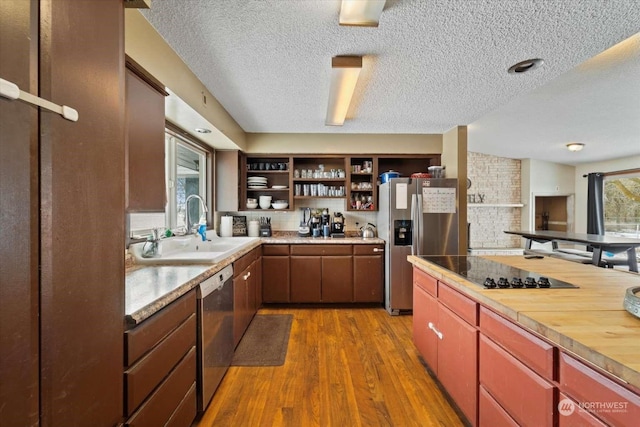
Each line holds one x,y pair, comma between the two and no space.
188,171
622,205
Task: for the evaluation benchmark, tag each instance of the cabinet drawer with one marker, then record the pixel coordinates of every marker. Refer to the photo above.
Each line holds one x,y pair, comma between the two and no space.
144,337
531,350
526,396
157,410
185,413
586,385
573,416
458,303
426,282
321,249
491,413
275,250
144,376
368,249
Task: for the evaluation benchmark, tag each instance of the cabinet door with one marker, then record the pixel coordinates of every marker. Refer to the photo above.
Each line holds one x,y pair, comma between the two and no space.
240,305
425,313
257,268
82,194
251,293
458,361
337,279
306,276
19,218
368,273
275,278
145,144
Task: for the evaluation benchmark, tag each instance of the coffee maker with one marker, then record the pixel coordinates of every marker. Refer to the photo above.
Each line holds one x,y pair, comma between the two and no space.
337,225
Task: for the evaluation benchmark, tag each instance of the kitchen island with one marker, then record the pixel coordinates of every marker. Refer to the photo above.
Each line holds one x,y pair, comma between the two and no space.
543,345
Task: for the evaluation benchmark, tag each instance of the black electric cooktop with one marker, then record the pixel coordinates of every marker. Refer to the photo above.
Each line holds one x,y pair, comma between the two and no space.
494,275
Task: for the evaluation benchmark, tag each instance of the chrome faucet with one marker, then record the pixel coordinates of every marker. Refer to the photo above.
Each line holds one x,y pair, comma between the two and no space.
151,247
203,205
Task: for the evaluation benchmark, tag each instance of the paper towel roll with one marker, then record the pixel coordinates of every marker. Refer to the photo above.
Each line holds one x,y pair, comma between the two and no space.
226,226
254,228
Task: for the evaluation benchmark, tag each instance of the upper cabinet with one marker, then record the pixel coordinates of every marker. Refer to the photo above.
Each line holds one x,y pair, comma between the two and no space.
145,125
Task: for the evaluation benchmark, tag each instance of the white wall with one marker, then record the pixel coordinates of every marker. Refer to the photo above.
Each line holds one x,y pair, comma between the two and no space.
581,183
540,178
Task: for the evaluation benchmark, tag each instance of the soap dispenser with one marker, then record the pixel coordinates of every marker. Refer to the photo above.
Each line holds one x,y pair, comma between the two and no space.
202,228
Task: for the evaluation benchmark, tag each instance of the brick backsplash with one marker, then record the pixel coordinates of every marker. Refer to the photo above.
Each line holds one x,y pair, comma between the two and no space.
494,180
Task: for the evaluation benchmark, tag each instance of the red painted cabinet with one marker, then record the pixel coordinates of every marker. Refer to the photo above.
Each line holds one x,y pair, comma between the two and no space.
526,397
490,412
446,341
425,313
571,415
605,399
458,360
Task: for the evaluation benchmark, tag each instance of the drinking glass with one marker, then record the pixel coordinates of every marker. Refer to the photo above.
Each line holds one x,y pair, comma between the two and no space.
305,189
298,190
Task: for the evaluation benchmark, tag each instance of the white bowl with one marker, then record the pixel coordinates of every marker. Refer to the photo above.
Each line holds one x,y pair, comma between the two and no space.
280,205
252,201
265,205
252,205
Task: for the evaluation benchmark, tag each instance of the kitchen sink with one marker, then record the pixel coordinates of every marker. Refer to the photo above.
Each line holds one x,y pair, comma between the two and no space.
191,249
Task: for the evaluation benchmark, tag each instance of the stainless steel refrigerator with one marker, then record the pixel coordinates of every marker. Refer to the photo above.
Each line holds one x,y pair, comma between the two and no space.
416,216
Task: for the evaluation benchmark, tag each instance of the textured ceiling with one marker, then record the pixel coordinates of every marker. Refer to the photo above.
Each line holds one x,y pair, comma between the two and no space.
429,66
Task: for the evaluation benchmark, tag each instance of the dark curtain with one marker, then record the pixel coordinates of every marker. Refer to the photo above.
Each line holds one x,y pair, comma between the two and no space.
595,203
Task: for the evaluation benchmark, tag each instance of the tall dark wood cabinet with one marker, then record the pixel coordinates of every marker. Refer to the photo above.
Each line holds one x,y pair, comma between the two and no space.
62,207
18,219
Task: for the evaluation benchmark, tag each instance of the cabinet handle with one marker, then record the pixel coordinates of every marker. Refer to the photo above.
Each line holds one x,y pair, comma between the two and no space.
435,331
378,250
11,91
246,276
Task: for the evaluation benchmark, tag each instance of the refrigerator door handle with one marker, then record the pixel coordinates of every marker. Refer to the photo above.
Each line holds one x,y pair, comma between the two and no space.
414,234
419,237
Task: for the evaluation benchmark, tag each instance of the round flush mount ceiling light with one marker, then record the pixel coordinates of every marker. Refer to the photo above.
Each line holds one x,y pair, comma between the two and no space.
203,130
524,66
575,146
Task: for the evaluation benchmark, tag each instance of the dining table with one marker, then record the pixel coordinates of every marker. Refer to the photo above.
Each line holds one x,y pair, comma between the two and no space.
598,243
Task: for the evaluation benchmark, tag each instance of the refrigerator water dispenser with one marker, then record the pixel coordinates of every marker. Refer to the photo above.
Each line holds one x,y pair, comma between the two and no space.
402,232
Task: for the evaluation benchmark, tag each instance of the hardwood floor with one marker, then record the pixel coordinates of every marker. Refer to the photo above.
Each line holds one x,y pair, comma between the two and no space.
345,367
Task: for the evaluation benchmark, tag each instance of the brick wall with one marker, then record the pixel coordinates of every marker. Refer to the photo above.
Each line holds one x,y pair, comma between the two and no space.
494,180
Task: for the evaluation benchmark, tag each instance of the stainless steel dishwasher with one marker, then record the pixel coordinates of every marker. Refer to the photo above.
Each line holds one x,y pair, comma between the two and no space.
215,333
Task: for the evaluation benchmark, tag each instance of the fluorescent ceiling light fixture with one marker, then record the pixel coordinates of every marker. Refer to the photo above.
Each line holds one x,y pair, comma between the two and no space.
575,146
362,13
344,76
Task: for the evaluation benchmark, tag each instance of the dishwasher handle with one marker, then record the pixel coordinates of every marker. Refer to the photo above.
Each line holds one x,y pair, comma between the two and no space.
215,282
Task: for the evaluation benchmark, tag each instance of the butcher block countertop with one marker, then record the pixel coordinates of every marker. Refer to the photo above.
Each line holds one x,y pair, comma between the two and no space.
589,322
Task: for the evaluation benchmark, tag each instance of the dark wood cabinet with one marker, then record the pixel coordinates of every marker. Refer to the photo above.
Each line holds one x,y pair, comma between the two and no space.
145,130
337,278
160,370
244,293
306,278
19,216
319,273
275,273
62,281
322,273
368,273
